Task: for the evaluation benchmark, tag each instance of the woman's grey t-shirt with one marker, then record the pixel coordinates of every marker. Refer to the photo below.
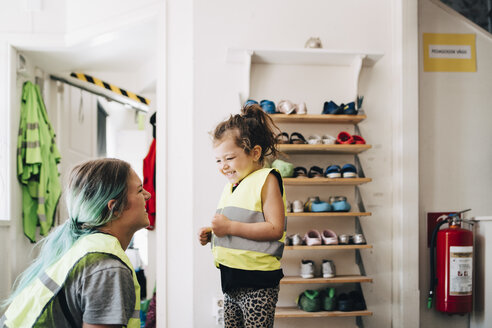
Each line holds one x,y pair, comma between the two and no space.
98,290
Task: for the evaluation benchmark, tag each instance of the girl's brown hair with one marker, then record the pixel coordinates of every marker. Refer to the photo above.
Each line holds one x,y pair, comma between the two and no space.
254,127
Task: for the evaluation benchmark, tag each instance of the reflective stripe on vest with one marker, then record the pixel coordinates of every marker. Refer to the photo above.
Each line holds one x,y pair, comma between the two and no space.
244,205
28,306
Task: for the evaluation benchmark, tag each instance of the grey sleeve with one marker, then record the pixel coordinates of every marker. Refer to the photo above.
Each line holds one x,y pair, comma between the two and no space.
107,296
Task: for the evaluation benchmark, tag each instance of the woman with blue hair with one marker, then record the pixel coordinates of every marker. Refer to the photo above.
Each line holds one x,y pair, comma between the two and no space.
82,276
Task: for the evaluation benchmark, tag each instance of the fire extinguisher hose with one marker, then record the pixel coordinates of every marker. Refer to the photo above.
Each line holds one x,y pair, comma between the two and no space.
433,279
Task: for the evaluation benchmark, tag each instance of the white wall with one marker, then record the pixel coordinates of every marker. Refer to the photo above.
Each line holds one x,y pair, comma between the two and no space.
349,25
455,139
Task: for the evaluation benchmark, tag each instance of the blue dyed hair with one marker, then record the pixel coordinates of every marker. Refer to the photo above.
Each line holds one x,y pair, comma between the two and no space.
92,185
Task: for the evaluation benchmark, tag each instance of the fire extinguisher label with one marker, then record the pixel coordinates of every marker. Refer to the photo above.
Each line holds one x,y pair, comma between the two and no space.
460,270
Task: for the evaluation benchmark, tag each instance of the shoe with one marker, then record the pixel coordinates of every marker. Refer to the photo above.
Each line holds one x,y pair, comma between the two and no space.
297,138
314,140
309,301
297,206
328,140
282,138
286,169
357,300
339,204
358,140
307,269
320,207
333,171
349,171
268,106
288,207
344,138
331,108
300,172
313,43
329,237
328,268
329,299
250,102
288,241
286,107
345,303
312,238
301,108
296,240
349,109
315,172
358,239
308,203
344,239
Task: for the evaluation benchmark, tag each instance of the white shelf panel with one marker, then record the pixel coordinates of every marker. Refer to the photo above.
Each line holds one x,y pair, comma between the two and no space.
302,56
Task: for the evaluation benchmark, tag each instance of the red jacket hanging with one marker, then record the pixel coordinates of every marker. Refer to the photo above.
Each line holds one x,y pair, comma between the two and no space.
149,183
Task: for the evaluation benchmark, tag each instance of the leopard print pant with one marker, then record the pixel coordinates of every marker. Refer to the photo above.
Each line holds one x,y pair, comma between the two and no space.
250,307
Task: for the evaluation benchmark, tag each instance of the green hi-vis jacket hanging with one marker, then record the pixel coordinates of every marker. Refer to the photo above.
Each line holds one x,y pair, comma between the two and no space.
28,306
37,159
244,205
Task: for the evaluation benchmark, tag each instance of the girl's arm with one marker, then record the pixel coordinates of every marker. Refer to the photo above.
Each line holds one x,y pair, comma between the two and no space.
273,209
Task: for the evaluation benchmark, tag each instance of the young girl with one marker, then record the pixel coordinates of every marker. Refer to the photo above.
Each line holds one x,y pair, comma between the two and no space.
248,229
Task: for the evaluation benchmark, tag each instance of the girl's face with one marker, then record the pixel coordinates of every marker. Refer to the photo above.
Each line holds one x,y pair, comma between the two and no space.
232,161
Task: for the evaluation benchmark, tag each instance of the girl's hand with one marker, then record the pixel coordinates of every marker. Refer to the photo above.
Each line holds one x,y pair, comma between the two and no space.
205,235
221,225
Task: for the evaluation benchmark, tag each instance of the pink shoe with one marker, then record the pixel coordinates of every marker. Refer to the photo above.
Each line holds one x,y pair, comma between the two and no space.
329,237
312,238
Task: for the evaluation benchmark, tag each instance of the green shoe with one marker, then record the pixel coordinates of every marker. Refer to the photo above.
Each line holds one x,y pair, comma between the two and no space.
329,299
286,169
309,301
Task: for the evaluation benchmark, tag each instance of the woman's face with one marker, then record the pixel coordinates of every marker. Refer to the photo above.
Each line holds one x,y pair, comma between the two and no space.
135,214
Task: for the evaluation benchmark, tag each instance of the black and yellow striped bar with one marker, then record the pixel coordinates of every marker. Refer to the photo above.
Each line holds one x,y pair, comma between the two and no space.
110,87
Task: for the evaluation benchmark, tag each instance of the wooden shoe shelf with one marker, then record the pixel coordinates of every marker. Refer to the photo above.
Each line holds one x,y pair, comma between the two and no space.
354,63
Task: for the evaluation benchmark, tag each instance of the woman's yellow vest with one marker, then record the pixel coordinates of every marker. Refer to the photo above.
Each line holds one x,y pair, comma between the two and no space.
27,307
244,205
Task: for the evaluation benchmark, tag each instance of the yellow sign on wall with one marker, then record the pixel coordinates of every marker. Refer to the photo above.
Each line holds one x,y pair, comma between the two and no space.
449,52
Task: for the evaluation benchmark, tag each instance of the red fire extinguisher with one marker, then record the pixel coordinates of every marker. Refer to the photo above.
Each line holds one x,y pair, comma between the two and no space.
452,276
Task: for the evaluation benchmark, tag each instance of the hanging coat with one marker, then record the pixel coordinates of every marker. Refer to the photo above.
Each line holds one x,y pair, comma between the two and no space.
149,183
37,159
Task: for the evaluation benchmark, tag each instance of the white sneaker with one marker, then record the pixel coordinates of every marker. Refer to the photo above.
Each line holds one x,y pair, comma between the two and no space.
328,269
297,206
307,269
296,240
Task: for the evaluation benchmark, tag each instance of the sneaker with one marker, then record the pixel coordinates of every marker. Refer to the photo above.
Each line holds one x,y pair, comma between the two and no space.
344,239
297,206
329,299
312,238
286,107
357,300
250,102
307,269
331,108
358,239
320,207
349,109
288,241
307,204
296,240
333,171
268,106
349,171
329,237
301,108
345,303
285,169
309,301
328,140
328,269
339,204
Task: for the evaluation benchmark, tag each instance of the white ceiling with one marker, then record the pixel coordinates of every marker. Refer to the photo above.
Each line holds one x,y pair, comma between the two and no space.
119,51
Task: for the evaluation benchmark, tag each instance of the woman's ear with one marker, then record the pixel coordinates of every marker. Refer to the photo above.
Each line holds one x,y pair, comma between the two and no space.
111,204
256,152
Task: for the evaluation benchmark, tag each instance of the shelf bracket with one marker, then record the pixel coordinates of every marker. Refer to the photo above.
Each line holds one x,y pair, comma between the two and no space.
358,165
357,66
358,319
358,200
360,264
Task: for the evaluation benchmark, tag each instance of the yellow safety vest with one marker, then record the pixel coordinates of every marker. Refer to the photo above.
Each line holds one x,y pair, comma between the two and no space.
244,205
28,306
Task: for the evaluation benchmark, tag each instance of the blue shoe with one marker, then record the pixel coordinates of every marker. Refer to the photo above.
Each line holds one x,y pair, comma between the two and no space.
331,108
320,207
349,109
349,171
268,106
340,206
333,171
250,102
